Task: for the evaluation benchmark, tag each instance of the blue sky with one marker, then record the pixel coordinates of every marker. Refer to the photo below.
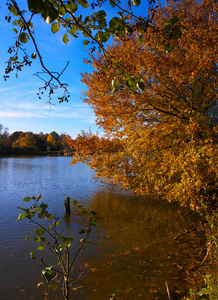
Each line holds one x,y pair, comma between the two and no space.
20,108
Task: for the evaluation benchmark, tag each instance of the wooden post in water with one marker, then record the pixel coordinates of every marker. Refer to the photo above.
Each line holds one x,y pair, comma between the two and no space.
67,205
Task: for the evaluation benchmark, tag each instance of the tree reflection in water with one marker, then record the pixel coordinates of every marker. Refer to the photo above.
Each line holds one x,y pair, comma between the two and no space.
138,253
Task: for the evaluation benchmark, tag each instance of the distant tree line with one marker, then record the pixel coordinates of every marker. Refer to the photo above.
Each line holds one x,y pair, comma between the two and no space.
20,142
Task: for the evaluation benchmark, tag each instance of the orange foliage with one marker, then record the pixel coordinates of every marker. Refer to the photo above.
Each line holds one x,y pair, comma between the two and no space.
51,140
161,136
25,142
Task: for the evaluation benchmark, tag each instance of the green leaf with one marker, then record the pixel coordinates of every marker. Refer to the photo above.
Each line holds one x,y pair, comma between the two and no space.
23,37
65,38
141,39
49,274
174,20
33,56
51,216
21,23
39,239
21,216
120,13
120,31
32,255
27,199
183,27
176,34
62,11
104,36
102,22
168,48
15,22
53,287
136,2
72,7
140,85
41,248
73,29
105,68
41,215
49,13
40,231
13,58
55,27
116,65
84,3
85,42
94,222
87,32
101,14
114,22
35,6
112,3
12,8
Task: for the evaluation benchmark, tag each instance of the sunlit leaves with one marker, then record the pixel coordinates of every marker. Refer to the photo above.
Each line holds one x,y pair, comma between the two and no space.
60,244
85,43
40,231
24,37
72,6
114,22
65,38
33,56
136,2
27,199
49,13
168,48
150,98
102,36
141,39
21,216
49,274
87,32
55,27
32,255
95,27
84,3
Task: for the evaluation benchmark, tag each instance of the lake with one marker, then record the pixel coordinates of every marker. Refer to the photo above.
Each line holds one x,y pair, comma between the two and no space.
133,251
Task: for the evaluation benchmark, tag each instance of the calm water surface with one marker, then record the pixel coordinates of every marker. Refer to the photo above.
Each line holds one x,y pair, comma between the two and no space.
133,251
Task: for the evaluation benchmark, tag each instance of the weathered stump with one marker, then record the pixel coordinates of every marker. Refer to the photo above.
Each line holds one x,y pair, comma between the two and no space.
67,205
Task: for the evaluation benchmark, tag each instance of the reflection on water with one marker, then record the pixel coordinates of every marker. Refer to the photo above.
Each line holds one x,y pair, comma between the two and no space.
139,253
134,252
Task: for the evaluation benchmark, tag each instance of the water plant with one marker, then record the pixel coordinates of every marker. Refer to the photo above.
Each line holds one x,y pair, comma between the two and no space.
49,237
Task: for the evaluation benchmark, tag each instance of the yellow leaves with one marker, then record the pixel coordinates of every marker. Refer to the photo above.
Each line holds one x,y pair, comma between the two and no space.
162,139
25,141
50,140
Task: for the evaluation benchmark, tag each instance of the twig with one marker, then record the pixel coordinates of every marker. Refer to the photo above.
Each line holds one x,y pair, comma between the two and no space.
168,292
184,233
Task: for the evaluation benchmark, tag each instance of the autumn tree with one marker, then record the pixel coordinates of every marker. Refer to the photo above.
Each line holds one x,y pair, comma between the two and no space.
159,108
50,142
25,143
